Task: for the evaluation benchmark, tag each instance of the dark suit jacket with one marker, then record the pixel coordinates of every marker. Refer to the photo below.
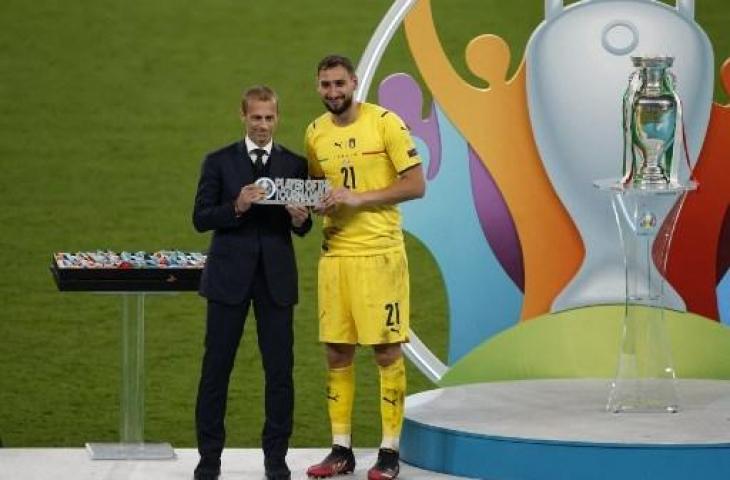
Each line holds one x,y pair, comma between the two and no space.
262,232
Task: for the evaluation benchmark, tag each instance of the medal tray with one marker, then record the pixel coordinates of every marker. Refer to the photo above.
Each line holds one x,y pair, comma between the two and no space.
126,279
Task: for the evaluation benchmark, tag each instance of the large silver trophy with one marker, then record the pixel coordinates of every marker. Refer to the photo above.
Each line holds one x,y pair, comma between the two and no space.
642,201
652,120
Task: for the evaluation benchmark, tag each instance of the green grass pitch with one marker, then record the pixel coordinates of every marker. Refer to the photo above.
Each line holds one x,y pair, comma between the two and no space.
106,110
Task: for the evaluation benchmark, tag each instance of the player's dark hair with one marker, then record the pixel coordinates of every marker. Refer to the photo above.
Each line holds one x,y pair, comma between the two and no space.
332,61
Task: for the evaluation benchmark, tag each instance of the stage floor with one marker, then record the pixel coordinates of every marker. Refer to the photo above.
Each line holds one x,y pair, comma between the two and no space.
526,430
560,429
574,411
238,464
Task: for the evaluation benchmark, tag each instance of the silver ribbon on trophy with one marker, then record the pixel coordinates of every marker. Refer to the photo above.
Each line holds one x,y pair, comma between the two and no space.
292,191
653,129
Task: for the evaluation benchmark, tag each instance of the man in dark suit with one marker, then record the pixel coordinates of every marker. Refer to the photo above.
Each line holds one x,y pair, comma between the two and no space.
250,260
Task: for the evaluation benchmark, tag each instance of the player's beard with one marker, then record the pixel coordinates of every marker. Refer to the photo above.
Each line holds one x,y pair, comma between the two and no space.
342,108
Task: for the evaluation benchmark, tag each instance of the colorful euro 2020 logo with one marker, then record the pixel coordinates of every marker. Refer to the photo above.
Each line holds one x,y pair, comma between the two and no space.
511,217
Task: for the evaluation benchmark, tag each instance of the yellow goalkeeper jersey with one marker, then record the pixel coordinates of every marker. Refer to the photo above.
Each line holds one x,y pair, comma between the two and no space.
366,155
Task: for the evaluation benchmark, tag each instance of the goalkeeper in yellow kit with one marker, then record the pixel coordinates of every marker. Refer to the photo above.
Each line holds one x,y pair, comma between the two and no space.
369,158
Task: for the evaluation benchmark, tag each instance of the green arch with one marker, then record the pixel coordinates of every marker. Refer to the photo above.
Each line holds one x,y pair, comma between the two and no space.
584,343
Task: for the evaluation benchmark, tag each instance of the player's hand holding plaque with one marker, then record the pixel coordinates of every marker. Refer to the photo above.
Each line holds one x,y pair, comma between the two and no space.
292,191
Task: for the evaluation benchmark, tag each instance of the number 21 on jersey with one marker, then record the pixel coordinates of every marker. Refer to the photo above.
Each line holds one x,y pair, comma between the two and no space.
348,177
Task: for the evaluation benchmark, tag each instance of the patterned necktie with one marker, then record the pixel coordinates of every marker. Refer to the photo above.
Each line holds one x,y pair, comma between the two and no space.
258,163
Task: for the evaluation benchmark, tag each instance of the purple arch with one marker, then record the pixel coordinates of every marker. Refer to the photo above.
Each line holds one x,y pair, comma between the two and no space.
496,220
400,93
723,249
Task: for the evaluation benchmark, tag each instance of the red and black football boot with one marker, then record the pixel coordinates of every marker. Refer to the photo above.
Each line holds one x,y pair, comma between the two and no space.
340,461
387,466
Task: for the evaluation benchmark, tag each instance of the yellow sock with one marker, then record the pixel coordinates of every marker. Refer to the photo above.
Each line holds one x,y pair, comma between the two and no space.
340,394
392,398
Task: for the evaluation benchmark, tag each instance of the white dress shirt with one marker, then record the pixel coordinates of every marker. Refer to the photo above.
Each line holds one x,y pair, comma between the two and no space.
251,146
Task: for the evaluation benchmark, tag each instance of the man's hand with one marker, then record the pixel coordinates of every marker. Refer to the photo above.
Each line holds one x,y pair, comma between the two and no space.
298,213
339,196
345,196
248,194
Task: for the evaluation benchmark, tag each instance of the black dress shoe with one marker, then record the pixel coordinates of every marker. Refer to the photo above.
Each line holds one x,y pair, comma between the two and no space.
206,476
207,469
277,469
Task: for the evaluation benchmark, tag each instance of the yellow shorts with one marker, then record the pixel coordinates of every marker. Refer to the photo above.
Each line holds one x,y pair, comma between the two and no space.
364,300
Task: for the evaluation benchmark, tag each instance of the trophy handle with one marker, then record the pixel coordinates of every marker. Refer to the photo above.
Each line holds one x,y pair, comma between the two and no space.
686,8
553,8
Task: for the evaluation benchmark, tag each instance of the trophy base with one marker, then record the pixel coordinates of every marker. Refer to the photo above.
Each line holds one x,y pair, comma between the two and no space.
658,184
643,409
130,451
617,185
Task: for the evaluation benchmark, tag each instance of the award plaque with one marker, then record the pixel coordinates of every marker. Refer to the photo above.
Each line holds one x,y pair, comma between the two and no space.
292,191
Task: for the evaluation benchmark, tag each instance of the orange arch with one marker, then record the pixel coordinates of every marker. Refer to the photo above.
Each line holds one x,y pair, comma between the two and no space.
495,121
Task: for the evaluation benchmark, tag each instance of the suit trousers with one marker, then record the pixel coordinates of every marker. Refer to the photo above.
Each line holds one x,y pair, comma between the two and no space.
224,329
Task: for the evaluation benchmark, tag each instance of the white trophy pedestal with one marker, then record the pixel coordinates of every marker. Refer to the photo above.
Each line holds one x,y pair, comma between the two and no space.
645,378
131,445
